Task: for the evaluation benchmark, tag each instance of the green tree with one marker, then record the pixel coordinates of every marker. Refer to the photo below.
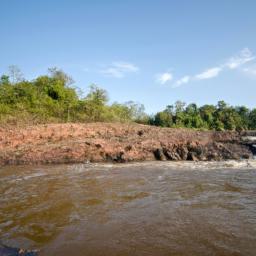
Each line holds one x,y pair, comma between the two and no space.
95,103
207,115
4,80
244,113
60,75
137,111
163,119
252,119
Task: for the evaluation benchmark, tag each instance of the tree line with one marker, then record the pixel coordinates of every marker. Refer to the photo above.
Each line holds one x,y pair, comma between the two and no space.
210,117
53,98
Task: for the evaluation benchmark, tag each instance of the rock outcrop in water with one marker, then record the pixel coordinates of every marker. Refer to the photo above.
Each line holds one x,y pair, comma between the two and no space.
10,251
103,142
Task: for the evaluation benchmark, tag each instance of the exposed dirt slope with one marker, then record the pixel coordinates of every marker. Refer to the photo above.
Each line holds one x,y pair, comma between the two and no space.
98,142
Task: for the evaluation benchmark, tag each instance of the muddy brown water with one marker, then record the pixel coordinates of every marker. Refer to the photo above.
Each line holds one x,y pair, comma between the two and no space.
156,208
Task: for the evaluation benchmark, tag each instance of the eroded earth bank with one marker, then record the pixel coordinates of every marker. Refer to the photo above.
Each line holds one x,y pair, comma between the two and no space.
105,142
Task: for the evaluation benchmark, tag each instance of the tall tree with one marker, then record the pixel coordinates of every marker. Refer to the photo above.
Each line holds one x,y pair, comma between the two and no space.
15,74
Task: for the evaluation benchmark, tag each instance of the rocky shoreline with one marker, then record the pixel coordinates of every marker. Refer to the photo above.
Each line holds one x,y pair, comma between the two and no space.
111,142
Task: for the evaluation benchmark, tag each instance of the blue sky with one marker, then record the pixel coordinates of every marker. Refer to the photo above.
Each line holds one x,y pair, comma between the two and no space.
154,52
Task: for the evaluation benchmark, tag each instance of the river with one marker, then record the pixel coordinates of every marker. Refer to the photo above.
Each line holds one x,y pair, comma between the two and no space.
153,208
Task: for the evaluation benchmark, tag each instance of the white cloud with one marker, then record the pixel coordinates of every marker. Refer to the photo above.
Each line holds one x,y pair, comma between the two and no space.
120,69
125,66
243,57
114,72
164,77
250,70
183,80
209,73
237,61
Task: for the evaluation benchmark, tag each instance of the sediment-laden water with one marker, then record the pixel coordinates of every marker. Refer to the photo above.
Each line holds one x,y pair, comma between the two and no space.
155,208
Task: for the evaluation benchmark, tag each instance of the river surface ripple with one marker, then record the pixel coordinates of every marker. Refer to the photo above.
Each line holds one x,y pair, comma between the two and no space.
154,208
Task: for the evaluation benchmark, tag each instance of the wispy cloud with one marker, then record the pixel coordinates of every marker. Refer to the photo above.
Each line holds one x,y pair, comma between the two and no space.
243,57
235,62
120,69
209,73
164,78
183,80
114,72
126,66
250,70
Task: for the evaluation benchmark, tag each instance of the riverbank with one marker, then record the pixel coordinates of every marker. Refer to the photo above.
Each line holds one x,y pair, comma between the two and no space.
110,142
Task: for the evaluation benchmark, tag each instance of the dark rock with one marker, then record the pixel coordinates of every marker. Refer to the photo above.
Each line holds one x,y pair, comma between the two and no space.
159,154
140,133
213,156
253,149
171,154
183,152
192,156
128,148
245,156
119,157
10,251
108,157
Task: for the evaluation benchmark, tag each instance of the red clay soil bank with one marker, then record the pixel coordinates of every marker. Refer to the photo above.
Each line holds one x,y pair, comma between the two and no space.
103,142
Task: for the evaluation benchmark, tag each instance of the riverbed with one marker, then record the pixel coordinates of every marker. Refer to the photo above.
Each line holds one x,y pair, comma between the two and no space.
150,208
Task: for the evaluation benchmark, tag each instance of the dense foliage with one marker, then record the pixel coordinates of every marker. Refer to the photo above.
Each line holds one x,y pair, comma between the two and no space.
210,117
52,98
